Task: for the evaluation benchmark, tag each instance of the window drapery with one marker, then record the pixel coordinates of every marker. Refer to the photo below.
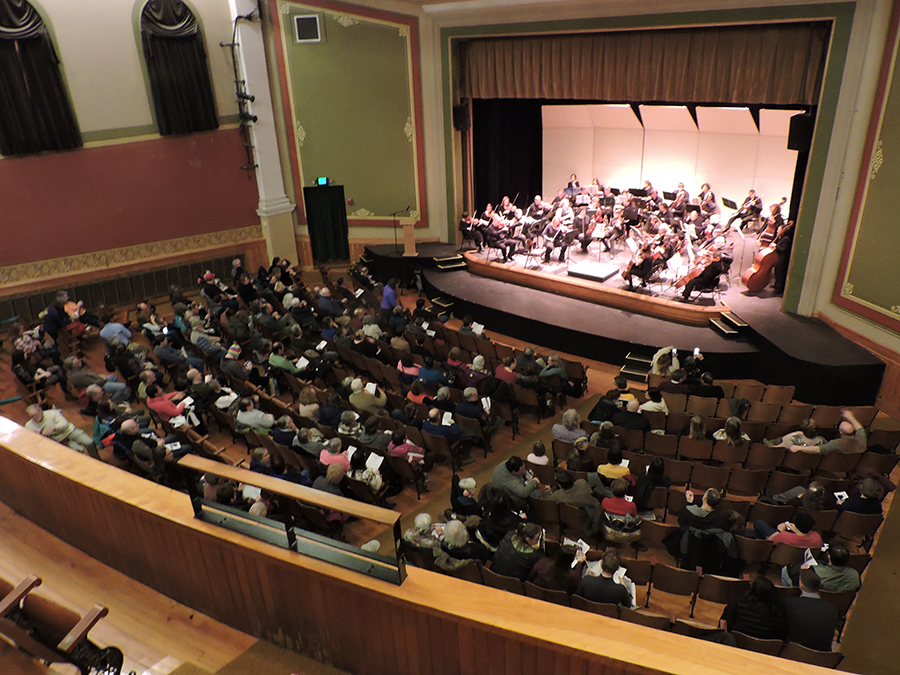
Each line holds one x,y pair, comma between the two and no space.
177,67
35,112
767,63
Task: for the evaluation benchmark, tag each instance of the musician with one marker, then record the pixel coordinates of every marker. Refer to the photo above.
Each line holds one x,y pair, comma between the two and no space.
654,200
708,278
641,266
697,226
630,210
665,214
614,230
555,234
773,223
488,214
596,183
784,242
573,182
565,214
749,211
592,229
513,225
471,230
708,203
539,210
560,195
496,238
682,198
506,209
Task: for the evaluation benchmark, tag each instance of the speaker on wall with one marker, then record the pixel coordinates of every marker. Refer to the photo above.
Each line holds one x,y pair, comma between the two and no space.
461,120
801,131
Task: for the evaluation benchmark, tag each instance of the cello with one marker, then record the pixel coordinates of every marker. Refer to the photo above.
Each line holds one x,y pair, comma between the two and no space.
759,274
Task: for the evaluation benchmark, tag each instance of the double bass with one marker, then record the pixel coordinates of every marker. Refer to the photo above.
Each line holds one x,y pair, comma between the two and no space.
759,274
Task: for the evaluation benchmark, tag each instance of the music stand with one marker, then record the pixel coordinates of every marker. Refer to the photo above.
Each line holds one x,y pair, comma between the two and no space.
669,196
607,201
730,204
615,191
638,192
689,208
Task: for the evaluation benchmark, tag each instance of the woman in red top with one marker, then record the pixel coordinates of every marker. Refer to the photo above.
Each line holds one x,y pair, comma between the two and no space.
617,504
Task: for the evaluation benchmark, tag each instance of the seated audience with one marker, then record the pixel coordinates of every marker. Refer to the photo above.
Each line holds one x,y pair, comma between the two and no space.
605,588
519,551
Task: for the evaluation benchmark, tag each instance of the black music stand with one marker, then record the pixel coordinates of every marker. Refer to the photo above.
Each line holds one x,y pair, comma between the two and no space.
729,204
669,195
638,192
615,191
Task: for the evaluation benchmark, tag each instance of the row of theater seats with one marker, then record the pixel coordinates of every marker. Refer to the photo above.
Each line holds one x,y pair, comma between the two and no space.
648,576
52,633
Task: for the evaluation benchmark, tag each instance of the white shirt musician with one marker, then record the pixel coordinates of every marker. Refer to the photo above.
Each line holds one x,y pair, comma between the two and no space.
564,214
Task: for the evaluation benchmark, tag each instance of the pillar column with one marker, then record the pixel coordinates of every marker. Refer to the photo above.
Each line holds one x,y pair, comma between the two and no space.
275,209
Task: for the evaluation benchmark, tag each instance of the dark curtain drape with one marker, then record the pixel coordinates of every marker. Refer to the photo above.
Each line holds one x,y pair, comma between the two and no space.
507,150
35,112
326,216
179,73
779,63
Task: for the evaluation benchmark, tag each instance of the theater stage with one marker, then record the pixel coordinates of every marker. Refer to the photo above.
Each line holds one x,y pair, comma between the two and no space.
777,348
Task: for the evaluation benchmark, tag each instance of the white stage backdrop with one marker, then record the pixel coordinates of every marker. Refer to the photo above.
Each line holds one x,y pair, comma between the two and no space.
724,148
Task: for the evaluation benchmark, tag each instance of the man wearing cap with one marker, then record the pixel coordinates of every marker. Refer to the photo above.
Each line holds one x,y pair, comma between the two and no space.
797,532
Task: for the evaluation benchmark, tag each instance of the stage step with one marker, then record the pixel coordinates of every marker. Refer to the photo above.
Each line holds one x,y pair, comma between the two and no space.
735,321
723,328
450,263
444,304
637,367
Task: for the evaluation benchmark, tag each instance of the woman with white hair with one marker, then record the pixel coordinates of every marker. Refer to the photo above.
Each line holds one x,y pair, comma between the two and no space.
476,371
569,429
422,534
457,550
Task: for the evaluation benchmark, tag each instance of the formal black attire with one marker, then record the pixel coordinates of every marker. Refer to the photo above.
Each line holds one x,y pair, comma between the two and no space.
706,279
811,622
749,211
496,238
553,237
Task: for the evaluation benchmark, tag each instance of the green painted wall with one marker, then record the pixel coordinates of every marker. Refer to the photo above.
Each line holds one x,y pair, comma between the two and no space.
873,275
352,107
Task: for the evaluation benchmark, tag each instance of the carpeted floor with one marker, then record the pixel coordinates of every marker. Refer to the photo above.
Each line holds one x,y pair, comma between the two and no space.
264,658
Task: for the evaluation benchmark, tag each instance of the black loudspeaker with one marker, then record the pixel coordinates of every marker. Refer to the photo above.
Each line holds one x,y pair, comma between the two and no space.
801,131
461,120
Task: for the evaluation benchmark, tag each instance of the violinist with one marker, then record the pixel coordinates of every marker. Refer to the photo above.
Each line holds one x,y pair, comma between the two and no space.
749,211
488,216
593,229
708,278
539,210
497,238
560,195
471,230
630,212
555,234
614,230
641,266
506,209
682,198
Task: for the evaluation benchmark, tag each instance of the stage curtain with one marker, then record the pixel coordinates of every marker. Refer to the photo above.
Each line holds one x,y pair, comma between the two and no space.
35,112
177,67
771,63
511,130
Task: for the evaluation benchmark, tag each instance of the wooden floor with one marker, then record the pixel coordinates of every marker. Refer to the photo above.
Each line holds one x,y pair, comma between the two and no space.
155,633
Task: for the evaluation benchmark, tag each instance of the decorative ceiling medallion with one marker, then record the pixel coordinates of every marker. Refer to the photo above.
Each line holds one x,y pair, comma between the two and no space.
346,20
408,129
362,213
878,160
847,289
895,309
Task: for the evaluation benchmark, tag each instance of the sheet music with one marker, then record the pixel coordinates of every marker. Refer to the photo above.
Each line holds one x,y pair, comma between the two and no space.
321,345
477,327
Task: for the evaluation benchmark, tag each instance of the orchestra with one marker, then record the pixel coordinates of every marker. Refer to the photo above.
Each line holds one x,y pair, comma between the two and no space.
673,239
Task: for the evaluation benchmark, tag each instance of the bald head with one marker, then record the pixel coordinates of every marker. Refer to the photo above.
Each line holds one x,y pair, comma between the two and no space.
130,427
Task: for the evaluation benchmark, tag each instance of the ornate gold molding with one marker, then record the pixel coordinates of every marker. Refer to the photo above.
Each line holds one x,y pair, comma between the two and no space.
97,260
878,160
